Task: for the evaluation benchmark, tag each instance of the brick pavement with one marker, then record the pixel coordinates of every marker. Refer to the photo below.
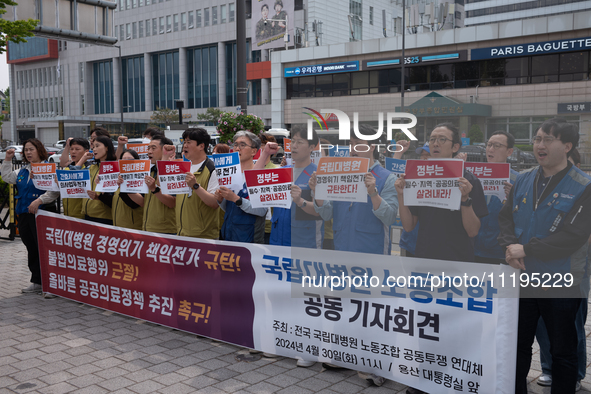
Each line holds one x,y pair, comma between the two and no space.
54,346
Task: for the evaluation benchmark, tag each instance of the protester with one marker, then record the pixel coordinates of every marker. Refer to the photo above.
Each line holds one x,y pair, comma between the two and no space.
29,200
128,208
96,132
151,132
221,148
328,239
266,137
159,208
486,246
196,214
446,234
78,148
545,223
242,222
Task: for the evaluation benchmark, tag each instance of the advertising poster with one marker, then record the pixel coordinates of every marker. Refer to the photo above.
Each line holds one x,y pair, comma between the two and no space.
271,21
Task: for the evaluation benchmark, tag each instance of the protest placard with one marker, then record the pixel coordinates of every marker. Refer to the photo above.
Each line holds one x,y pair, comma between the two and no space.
433,183
492,176
133,173
141,149
269,188
396,166
316,155
44,176
229,171
287,150
73,183
339,151
342,179
107,179
171,175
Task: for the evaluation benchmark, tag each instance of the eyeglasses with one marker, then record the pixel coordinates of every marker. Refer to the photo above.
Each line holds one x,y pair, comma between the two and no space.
547,140
241,145
495,145
440,140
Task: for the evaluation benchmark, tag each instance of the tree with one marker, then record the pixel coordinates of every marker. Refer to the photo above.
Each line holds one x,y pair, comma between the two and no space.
14,31
165,116
212,115
7,104
475,134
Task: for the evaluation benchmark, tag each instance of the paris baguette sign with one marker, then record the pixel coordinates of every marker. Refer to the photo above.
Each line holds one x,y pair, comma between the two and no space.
536,48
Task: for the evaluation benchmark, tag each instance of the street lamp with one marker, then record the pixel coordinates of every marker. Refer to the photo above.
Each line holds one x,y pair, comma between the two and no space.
120,86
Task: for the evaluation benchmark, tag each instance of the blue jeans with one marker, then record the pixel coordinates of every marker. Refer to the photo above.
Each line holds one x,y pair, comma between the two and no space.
559,316
544,341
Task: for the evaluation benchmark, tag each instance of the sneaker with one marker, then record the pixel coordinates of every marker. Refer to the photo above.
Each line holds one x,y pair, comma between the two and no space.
304,363
578,385
48,296
33,288
545,380
372,378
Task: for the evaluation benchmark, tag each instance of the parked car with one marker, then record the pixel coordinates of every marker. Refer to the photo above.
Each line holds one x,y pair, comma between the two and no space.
55,158
18,156
475,153
519,157
60,144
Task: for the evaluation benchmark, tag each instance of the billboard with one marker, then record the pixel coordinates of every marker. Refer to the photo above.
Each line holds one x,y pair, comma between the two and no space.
271,20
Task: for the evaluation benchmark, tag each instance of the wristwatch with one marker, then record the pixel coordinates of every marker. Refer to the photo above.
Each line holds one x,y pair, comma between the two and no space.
156,191
239,202
467,203
196,186
304,204
374,193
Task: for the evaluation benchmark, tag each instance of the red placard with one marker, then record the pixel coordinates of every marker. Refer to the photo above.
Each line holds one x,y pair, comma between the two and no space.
434,169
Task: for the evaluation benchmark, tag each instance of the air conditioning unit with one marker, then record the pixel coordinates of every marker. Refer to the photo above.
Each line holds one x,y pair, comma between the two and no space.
473,99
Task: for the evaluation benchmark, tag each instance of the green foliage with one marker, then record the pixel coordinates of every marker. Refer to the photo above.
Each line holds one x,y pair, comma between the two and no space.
212,115
3,187
525,148
230,123
475,134
14,31
400,136
163,116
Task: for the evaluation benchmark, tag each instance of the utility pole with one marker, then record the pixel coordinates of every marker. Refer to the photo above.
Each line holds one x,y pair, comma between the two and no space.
242,90
403,58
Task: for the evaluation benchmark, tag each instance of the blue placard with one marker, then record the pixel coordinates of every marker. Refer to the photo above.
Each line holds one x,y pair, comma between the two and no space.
329,68
225,159
535,48
339,151
397,166
465,141
72,175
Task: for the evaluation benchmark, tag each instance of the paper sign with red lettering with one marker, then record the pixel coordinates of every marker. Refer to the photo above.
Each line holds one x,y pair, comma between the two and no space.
133,173
73,183
316,155
44,176
171,175
287,150
269,188
141,149
229,171
492,176
433,183
342,179
108,174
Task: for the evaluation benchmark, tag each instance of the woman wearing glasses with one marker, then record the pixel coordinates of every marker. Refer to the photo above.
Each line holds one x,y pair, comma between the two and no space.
242,222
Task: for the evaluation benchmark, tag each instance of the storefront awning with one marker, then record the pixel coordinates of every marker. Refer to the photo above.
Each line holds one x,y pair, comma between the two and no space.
436,105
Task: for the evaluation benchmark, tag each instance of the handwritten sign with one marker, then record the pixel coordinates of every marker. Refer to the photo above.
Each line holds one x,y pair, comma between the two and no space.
433,183
171,175
492,176
269,188
108,174
73,183
133,173
229,171
44,176
141,149
342,179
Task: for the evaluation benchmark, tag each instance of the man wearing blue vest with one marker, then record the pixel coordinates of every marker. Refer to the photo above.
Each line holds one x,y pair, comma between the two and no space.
544,223
486,246
363,227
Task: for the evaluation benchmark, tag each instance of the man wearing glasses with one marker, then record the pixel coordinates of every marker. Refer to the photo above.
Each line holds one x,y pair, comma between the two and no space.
446,234
545,223
486,246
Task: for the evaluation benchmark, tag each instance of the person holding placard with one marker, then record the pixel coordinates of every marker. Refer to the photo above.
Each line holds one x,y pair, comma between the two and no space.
77,149
446,234
266,137
363,227
242,222
196,214
128,208
98,207
159,208
28,200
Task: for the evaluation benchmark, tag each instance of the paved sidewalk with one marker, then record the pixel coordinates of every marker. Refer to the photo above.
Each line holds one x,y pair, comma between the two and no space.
54,346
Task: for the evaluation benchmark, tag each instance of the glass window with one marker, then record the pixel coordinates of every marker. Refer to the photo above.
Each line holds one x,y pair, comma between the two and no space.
198,18
81,71
141,3
183,21
341,84
306,86
134,3
544,68
191,25
516,70
168,23
371,15
360,83
175,22
81,104
223,13
154,26
206,17
134,30
122,32
128,4
574,66
323,86
161,20
214,15
203,77
45,75
121,5
165,76
103,88
231,10
141,29
128,29
133,84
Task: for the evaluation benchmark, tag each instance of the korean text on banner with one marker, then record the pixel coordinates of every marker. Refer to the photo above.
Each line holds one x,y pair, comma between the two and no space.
133,173
108,175
269,188
342,179
492,176
287,150
396,166
434,183
229,171
339,151
73,183
171,175
44,176
316,155
141,149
